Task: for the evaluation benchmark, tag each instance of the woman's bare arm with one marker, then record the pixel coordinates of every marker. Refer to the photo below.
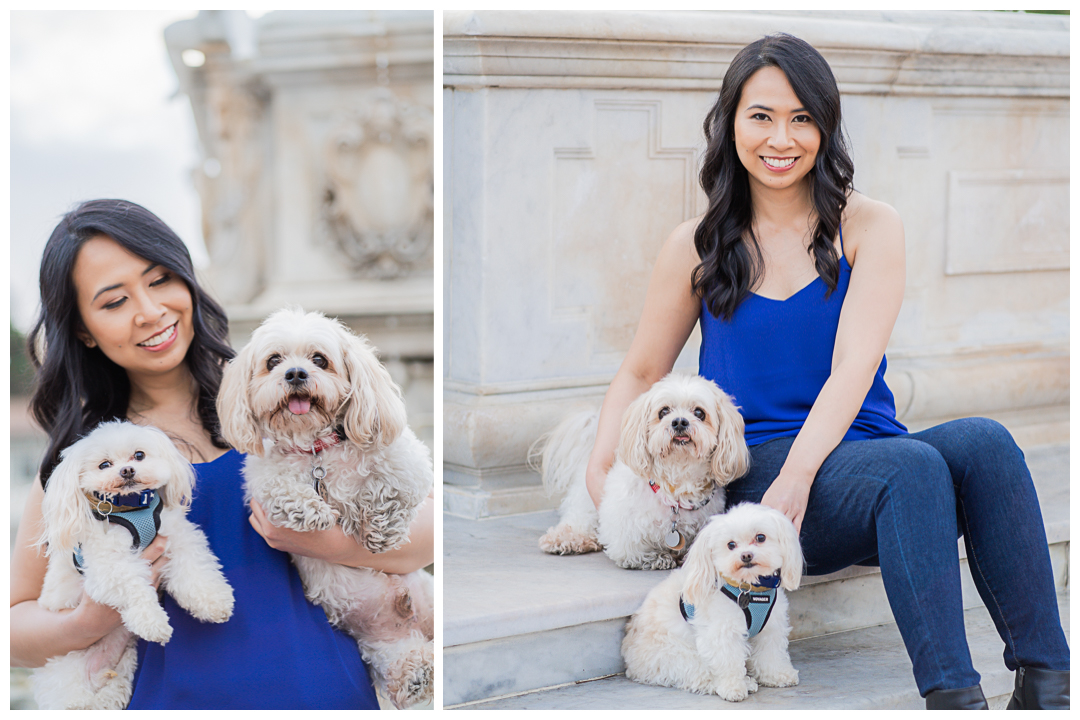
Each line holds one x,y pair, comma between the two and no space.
38,634
670,312
875,241
335,546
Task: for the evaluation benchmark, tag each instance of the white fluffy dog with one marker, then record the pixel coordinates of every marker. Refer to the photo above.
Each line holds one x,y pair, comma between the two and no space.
338,451
112,492
719,624
681,442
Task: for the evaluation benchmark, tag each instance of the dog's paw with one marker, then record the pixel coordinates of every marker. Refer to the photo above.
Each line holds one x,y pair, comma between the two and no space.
148,622
564,540
778,677
733,689
411,680
378,540
303,515
215,605
657,562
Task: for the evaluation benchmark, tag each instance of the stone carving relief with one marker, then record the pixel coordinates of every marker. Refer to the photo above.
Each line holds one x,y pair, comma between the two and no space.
378,199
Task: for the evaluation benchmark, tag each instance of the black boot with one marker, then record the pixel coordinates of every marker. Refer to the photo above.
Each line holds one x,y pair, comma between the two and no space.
1038,689
970,698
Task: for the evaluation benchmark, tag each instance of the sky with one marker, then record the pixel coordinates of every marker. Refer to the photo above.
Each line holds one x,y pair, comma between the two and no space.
94,113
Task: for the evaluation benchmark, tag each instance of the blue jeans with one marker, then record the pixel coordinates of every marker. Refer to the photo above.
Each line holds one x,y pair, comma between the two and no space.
901,503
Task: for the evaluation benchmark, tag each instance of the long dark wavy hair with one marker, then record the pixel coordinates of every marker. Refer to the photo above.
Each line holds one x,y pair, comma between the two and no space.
77,387
731,261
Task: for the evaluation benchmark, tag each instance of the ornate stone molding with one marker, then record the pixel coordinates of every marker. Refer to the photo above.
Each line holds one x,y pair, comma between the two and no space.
890,53
377,201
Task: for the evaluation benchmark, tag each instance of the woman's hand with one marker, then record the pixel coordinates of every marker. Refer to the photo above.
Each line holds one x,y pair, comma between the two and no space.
789,495
595,477
331,545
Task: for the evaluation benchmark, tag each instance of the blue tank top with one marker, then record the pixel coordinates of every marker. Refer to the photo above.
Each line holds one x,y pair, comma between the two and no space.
774,357
277,651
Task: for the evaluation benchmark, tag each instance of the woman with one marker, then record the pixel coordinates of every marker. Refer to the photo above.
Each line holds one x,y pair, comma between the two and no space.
125,331
797,281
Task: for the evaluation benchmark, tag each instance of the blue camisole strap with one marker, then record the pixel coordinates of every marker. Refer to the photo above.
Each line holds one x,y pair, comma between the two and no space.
278,651
774,357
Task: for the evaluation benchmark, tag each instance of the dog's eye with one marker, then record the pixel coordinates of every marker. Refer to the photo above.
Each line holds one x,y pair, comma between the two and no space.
760,538
664,411
273,361
699,413
105,465
139,455
731,545
319,360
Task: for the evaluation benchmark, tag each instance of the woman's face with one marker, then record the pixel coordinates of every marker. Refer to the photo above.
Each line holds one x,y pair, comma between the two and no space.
775,136
137,312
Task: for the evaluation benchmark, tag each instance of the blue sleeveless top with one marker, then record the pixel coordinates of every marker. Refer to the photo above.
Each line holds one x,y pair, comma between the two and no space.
774,357
277,651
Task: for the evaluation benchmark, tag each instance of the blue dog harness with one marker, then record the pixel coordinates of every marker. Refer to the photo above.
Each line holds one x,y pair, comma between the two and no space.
756,601
139,512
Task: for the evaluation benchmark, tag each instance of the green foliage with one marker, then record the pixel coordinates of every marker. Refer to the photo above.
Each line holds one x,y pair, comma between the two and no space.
22,372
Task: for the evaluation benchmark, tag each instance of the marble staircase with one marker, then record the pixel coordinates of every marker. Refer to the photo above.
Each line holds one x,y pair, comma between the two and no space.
527,630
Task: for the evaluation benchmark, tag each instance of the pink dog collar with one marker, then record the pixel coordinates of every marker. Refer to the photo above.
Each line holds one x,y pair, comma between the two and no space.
320,444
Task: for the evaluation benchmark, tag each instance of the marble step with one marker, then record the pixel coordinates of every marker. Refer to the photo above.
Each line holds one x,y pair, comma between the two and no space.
516,619
864,669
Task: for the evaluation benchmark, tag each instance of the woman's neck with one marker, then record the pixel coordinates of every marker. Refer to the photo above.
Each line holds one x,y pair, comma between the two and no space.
169,402
782,208
169,392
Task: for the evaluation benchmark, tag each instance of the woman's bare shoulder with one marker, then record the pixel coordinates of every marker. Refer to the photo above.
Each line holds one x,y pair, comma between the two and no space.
869,220
679,245
864,213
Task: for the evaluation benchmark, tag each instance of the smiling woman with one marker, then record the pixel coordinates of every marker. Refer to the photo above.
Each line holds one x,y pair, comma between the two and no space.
113,278
126,332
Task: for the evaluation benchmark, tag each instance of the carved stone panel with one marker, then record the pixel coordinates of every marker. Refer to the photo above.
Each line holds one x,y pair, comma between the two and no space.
614,202
378,198
1007,221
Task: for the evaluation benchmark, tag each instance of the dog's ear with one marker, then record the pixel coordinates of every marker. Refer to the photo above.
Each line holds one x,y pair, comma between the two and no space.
633,447
178,490
65,511
374,414
790,550
731,458
699,571
238,423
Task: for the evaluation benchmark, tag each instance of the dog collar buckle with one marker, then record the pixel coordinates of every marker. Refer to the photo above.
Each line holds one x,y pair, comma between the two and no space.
318,472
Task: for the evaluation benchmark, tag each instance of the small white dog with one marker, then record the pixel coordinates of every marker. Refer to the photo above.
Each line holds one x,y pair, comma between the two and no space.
112,492
719,624
681,443
338,451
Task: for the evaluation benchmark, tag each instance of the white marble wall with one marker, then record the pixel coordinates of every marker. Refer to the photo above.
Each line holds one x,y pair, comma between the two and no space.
317,143
572,143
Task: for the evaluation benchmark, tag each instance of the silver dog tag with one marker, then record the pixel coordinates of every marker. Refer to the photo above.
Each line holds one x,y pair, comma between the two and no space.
744,600
674,540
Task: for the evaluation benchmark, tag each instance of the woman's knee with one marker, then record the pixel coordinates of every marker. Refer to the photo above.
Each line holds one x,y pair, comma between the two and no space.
984,434
980,453
922,472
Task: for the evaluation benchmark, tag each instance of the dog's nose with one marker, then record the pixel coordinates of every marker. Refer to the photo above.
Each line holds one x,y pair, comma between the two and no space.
747,557
296,376
680,424
127,472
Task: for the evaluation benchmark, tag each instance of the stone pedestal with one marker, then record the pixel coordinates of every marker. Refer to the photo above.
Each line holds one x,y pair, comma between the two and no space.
571,147
317,138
